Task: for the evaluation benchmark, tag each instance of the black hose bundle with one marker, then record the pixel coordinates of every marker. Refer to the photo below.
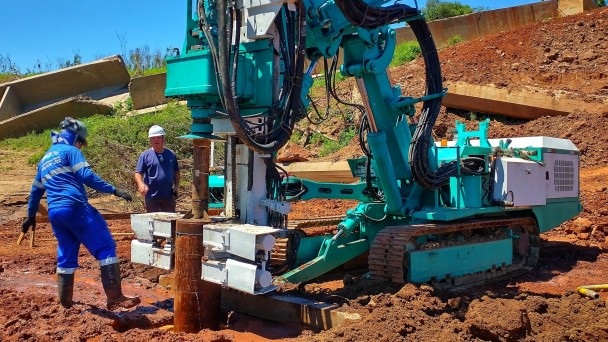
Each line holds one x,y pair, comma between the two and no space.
421,139
276,130
360,14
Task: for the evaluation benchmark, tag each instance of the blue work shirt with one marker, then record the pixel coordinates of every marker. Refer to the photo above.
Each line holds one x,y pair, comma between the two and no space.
62,173
159,171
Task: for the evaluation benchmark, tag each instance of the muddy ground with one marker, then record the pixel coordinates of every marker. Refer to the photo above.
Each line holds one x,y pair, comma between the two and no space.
558,55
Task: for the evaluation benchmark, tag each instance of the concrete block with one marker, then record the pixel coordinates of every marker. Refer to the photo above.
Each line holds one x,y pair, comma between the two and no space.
96,80
148,91
50,116
9,104
335,172
570,7
520,104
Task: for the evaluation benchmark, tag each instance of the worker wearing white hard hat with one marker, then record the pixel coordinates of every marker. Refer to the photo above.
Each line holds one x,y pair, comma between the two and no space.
157,174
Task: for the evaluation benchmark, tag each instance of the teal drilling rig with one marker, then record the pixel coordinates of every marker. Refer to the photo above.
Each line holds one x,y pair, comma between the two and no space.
447,213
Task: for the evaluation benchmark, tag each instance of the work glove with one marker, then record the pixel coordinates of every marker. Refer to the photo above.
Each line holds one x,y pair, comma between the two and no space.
123,194
28,223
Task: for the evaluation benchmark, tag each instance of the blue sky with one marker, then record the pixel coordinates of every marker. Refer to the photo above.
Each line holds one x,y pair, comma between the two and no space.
44,30
47,30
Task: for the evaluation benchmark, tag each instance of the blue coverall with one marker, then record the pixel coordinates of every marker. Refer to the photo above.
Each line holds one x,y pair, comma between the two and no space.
62,173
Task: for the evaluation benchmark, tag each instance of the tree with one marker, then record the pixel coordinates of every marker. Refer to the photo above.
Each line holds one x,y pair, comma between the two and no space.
437,9
600,3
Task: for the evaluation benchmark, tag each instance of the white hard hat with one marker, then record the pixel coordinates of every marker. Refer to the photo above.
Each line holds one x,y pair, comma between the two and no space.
156,131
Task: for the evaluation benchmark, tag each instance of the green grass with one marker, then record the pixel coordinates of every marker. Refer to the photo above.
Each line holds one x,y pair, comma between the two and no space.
406,52
319,81
296,136
455,39
329,146
147,72
9,77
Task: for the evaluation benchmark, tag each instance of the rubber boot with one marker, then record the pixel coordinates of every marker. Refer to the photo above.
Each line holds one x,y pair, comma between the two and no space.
110,279
65,289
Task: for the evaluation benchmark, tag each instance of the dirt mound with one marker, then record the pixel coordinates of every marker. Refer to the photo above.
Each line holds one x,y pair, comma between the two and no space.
419,313
562,55
292,153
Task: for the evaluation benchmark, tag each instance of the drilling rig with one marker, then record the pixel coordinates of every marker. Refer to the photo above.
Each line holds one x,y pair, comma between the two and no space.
446,213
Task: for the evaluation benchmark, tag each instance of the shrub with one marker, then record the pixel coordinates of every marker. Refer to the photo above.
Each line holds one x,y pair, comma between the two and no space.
406,52
455,39
436,9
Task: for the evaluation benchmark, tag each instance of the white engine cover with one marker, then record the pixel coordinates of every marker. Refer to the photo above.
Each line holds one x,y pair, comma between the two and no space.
520,181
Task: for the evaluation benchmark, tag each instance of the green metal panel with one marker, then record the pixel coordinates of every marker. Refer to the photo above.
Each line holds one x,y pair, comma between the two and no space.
335,255
383,167
191,74
308,248
355,191
216,181
357,167
450,214
404,138
458,260
556,212
447,154
466,192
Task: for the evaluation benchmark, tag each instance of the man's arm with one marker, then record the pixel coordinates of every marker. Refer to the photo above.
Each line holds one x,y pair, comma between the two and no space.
85,174
142,188
176,176
36,193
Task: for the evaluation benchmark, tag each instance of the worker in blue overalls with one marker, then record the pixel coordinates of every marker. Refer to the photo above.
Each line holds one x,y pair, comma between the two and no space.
62,173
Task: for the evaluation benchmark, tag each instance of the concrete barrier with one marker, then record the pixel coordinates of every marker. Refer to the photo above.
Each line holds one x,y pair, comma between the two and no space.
9,104
50,116
334,172
479,24
148,91
25,102
569,7
98,79
520,104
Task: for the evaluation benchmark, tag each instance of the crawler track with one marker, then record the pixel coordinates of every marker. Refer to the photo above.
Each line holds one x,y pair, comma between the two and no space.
279,253
388,251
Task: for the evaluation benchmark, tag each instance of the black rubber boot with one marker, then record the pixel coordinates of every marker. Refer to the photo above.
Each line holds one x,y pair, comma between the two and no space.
110,279
65,289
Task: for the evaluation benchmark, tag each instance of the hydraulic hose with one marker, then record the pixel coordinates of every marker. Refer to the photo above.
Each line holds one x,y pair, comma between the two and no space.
591,290
289,102
360,14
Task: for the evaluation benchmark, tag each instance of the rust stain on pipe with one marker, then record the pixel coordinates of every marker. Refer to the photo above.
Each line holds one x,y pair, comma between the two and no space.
197,304
200,177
